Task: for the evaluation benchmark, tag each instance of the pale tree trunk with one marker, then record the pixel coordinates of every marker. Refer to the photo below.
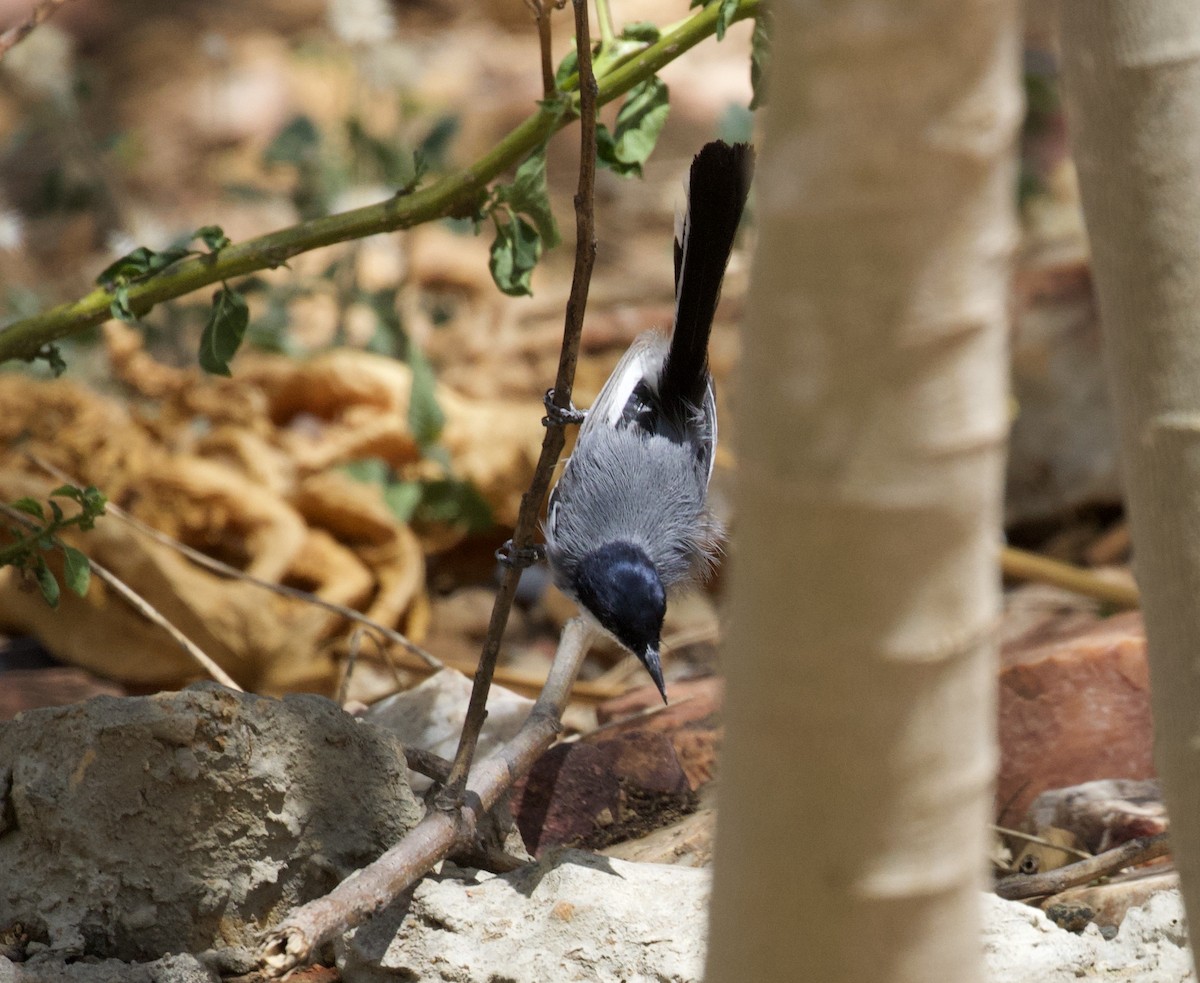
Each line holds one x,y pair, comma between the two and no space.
857,771
1132,74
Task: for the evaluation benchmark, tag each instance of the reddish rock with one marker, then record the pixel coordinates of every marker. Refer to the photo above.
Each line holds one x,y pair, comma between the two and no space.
28,689
599,791
1072,710
691,719
1101,815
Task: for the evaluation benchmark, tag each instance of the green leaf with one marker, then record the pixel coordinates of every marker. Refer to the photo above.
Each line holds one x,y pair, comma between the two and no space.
52,356
402,498
47,582
390,164
724,15
529,195
212,236
445,501
451,501
641,30
30,506
119,307
142,262
515,252
126,268
224,331
76,570
566,68
760,57
296,143
436,142
369,470
425,416
606,154
56,511
639,123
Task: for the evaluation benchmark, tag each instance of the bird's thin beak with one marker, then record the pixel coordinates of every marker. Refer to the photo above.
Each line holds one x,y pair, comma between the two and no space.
653,666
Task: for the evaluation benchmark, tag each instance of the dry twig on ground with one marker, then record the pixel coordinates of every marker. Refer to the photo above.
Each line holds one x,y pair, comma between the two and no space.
1142,850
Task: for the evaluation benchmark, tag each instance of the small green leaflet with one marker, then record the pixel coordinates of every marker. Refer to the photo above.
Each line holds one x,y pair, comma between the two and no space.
760,58
224,331
641,30
639,123
529,195
725,11
30,506
77,572
566,68
212,236
425,416
402,498
725,16
297,143
52,356
144,262
46,582
515,252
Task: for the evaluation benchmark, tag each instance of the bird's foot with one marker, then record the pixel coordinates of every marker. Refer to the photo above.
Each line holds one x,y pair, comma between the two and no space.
518,558
560,416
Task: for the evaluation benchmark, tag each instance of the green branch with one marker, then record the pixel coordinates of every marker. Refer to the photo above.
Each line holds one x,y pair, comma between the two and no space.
456,194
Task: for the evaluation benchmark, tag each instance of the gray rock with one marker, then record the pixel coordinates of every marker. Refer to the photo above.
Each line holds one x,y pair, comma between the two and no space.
578,916
1023,945
571,916
169,969
190,821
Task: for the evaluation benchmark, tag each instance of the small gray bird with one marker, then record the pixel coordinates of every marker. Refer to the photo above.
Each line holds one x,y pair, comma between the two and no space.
628,521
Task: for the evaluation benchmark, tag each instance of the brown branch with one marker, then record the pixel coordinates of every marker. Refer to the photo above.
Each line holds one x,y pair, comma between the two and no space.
15,35
1130,854
144,608
450,798
294,940
541,13
225,570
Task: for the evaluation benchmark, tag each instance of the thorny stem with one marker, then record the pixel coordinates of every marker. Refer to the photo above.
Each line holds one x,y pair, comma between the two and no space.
450,798
455,194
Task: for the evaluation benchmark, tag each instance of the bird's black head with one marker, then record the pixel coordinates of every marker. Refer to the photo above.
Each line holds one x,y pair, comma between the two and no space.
618,584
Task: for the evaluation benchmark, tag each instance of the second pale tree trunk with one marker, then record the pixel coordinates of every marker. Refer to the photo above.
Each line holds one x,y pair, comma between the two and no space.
1132,74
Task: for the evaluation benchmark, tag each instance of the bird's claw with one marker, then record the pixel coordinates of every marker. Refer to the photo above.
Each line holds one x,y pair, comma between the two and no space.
560,416
518,558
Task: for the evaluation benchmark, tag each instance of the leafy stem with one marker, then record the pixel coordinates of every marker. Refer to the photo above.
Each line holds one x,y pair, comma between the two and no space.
37,534
457,194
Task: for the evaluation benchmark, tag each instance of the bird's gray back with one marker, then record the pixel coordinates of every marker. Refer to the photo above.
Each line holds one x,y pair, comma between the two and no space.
622,484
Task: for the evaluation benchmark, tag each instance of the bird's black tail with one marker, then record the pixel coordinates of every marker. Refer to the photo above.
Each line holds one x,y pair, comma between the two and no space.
717,189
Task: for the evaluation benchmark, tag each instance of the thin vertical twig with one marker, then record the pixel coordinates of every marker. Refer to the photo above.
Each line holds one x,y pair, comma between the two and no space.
541,13
450,798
